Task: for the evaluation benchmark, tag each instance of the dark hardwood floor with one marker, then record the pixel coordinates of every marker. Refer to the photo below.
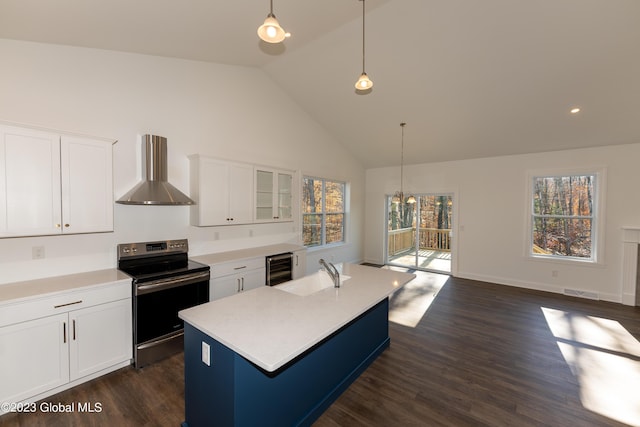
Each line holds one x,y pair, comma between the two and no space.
482,354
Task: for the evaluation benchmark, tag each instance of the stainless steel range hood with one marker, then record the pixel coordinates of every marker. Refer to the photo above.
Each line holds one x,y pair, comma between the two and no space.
155,189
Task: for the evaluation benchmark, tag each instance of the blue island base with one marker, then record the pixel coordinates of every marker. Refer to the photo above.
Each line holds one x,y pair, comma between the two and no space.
235,392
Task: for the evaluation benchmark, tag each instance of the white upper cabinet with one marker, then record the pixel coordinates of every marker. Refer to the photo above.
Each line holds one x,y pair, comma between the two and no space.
231,193
274,195
54,184
30,194
87,185
222,190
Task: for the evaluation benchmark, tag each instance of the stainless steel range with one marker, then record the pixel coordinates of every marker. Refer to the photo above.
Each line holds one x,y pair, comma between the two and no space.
164,282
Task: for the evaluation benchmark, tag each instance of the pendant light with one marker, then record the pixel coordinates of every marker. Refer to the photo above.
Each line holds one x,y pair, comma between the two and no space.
398,197
363,82
271,31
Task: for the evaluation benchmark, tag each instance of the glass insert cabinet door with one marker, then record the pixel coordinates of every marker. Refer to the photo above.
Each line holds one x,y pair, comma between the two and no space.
264,195
273,195
285,182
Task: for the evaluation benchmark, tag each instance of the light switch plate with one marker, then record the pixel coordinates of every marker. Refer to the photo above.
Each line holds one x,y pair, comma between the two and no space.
206,354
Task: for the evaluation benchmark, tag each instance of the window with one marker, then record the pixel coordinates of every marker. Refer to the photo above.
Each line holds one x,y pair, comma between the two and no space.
564,216
323,211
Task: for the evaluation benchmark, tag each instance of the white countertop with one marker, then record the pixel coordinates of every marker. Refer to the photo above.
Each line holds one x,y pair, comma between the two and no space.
260,251
16,291
270,327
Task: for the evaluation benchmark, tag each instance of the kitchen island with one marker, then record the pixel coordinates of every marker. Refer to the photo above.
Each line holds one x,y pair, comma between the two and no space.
281,355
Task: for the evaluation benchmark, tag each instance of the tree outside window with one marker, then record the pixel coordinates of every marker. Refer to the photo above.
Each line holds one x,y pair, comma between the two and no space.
563,216
323,211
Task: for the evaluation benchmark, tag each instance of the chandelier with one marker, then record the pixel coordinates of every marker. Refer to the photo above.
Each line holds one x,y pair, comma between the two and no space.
398,197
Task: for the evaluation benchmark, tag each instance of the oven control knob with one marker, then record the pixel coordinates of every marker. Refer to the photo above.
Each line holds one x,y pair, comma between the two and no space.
125,250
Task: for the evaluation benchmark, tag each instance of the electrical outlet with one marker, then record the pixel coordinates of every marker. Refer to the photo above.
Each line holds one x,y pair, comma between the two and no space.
37,252
206,354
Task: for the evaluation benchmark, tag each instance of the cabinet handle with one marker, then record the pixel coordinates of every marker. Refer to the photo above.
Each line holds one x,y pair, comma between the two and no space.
238,285
242,283
74,329
240,268
64,332
66,225
69,303
57,225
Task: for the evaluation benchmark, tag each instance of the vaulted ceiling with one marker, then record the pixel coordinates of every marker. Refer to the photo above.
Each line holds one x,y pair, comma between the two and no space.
470,78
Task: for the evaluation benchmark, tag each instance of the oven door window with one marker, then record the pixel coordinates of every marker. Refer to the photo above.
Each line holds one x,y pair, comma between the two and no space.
157,312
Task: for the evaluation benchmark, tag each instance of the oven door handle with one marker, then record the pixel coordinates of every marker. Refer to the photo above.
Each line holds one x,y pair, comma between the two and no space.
173,282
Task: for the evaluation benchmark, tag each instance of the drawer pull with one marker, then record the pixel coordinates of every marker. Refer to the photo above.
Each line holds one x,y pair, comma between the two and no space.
69,303
240,268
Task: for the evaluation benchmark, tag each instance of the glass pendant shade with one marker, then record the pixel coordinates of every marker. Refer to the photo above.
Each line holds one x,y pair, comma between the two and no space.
399,198
271,31
363,82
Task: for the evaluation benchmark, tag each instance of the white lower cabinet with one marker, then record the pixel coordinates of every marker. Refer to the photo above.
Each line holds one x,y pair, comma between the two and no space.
99,337
299,267
90,335
229,285
34,358
232,277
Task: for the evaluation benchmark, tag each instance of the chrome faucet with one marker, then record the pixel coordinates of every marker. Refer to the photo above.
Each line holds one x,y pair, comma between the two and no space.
333,272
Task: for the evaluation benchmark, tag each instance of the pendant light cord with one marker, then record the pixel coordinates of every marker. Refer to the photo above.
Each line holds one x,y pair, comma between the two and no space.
402,161
362,35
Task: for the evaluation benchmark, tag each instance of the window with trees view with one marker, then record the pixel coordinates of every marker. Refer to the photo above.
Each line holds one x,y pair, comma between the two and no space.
563,217
323,211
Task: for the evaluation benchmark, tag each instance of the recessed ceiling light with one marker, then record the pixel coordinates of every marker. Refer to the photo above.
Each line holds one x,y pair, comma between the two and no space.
575,110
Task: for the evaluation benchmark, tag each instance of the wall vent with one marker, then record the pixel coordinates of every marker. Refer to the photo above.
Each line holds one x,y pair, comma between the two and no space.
581,294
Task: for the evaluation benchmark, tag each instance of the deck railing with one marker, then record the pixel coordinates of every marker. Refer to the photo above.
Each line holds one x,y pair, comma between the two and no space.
430,238
400,240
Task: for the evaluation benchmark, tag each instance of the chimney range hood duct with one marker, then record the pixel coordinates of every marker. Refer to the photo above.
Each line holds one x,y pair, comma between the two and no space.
155,189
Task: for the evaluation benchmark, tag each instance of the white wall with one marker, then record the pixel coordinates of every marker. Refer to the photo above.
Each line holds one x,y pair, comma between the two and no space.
230,112
489,227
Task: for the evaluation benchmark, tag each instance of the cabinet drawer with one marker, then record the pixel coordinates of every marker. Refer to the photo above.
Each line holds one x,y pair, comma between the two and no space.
37,307
232,267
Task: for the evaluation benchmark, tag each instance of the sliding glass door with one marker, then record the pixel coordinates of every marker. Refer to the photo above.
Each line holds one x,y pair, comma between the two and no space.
419,232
